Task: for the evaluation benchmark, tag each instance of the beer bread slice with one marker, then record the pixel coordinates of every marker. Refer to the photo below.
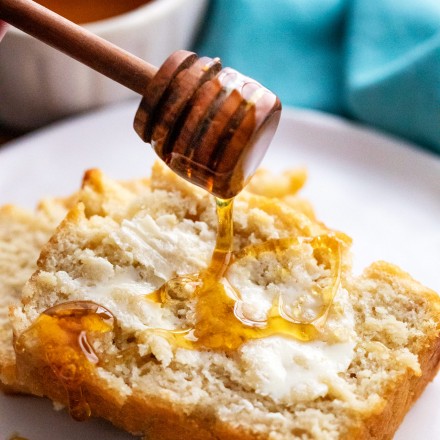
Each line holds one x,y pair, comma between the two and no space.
22,235
376,352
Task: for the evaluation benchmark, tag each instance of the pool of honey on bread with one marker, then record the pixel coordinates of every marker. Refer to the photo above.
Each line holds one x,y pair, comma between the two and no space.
223,320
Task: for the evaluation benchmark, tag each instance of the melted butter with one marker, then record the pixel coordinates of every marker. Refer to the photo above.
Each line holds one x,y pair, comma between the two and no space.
220,321
65,333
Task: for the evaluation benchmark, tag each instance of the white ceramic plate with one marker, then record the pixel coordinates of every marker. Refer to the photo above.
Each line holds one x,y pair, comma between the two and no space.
381,191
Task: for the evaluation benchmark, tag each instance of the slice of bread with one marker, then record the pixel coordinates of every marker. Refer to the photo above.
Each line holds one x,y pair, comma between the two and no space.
373,356
22,235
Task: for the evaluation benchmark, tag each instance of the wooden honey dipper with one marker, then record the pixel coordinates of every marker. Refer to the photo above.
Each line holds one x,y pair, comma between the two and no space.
212,126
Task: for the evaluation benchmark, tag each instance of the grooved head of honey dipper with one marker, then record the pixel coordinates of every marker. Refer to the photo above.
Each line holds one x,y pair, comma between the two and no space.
211,127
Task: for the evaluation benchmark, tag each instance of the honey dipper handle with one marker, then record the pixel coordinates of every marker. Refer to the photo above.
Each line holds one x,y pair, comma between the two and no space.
78,43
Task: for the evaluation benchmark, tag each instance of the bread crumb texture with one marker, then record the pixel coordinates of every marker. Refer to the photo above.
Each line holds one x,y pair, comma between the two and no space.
22,235
378,349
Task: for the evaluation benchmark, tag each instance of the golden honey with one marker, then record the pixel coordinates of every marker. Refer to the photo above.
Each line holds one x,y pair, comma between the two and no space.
65,334
87,11
219,324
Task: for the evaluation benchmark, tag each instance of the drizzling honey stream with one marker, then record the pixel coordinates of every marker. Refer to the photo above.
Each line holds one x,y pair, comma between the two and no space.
220,325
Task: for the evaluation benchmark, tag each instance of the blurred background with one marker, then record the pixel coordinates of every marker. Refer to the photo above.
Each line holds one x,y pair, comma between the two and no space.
374,61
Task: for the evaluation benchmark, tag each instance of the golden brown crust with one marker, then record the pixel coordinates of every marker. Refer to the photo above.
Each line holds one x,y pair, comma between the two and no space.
399,398
158,420
72,217
277,185
403,393
392,274
153,419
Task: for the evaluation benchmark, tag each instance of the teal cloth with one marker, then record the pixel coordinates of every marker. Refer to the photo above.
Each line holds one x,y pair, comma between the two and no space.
377,61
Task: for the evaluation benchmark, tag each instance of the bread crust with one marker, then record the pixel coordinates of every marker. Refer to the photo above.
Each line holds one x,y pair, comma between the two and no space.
399,398
158,419
153,419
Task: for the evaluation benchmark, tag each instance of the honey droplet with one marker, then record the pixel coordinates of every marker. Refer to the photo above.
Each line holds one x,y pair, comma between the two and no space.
64,335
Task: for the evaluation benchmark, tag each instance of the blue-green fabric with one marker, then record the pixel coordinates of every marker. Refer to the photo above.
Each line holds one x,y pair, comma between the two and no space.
373,60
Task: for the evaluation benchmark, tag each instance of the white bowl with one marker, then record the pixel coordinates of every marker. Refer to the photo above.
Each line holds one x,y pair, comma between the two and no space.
39,84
